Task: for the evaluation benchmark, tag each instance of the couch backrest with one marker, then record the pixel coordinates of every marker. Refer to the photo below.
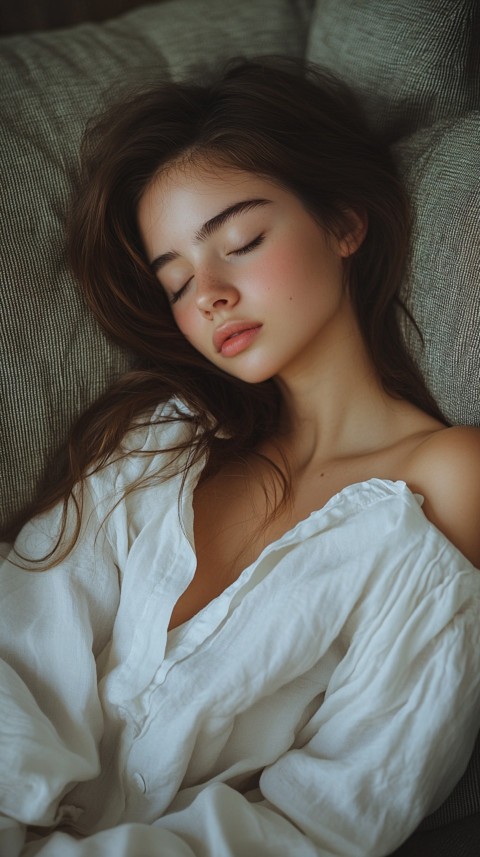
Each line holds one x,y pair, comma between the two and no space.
415,65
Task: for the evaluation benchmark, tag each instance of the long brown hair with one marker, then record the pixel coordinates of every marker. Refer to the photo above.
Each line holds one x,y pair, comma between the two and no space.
282,119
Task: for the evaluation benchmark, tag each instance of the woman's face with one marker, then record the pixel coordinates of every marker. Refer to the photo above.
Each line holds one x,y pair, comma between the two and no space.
253,280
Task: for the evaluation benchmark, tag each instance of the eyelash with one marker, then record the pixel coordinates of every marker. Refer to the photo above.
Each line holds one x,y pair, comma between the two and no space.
240,252
251,246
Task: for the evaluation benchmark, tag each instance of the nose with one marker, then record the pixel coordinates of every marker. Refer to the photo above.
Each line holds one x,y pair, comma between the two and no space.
214,294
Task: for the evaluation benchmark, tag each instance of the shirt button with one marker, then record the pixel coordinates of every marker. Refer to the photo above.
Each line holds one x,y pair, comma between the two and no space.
139,783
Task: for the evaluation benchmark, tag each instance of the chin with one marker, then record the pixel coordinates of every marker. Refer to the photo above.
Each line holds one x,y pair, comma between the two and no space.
252,377
258,374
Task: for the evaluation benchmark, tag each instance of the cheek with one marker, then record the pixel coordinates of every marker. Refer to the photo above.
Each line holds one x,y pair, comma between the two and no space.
192,326
280,272
291,272
185,321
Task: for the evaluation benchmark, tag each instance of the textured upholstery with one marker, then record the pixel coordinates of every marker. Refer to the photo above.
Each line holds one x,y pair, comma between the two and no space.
459,839
453,830
415,65
26,15
413,61
441,168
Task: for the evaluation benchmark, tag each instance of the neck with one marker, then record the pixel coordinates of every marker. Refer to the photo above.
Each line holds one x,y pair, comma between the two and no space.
335,403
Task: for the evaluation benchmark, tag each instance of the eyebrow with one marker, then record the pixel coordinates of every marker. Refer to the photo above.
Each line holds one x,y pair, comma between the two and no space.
209,227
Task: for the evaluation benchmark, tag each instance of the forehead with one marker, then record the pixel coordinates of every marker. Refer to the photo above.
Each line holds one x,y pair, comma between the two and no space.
185,196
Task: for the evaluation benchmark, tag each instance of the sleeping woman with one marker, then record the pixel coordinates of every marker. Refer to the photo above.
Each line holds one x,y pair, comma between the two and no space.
245,622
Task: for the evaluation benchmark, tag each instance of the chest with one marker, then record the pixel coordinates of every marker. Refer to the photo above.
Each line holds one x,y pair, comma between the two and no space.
233,523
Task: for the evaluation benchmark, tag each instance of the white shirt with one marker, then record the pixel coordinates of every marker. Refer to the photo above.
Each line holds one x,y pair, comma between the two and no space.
322,705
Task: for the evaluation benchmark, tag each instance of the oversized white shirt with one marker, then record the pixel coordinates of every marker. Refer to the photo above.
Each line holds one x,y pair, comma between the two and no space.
322,705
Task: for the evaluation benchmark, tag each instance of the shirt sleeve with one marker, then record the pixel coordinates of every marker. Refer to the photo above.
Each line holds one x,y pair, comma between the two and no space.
399,720
54,625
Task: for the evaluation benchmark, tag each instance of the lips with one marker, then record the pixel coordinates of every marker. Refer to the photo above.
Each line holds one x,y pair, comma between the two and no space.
231,330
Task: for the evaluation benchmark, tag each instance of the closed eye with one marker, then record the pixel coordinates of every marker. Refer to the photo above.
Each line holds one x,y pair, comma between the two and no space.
251,246
239,252
177,295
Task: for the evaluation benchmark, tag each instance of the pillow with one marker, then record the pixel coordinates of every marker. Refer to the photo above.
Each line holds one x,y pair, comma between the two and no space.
441,167
415,67
413,61
53,358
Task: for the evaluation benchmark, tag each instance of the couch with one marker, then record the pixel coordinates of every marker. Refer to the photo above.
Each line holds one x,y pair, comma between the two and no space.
415,65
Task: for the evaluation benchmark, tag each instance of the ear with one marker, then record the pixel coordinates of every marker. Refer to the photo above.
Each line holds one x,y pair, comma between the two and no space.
356,225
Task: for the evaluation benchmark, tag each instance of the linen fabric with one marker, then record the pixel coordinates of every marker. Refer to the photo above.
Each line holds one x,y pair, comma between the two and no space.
54,360
321,705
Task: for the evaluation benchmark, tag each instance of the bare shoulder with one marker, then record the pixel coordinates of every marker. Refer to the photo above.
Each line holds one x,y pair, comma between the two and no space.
445,469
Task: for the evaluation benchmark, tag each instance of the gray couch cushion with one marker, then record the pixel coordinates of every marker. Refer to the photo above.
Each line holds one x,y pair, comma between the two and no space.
414,61
441,167
53,359
415,66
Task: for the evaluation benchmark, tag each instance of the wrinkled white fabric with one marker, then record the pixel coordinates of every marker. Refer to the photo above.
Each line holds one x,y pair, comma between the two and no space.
322,705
